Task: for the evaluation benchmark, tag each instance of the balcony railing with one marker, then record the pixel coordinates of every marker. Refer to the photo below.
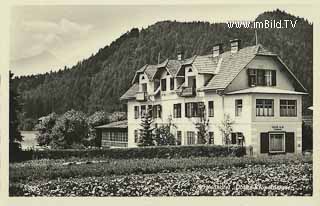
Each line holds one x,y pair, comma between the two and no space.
187,92
141,96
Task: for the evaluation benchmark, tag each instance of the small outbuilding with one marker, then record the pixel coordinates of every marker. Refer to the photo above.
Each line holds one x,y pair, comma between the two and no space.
114,134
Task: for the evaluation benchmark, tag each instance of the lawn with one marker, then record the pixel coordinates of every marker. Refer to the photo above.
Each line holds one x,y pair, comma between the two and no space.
206,176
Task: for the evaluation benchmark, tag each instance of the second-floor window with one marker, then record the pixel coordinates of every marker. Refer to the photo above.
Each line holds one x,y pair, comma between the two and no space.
261,77
163,84
171,83
264,107
156,111
143,110
177,111
136,112
193,109
288,108
238,107
210,108
144,87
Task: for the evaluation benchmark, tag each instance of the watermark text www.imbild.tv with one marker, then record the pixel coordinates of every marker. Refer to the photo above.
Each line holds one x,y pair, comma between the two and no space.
266,24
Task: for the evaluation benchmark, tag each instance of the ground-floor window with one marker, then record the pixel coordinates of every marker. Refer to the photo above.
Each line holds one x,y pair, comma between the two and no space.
136,136
237,138
276,142
211,138
191,138
179,137
115,139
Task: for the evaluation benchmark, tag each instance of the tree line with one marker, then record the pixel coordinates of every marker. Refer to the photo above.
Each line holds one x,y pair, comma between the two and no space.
96,83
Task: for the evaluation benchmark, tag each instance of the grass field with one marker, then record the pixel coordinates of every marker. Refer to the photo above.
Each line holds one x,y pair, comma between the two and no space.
272,175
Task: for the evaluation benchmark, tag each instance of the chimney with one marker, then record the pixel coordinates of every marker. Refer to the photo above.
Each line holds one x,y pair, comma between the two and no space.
217,50
235,45
179,54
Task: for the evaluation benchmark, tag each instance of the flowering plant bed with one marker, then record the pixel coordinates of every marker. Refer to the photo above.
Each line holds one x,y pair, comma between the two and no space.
277,175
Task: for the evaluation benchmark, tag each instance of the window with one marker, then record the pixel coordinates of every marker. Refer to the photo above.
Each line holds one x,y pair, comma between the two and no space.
143,110
136,136
261,77
115,139
193,109
192,82
211,138
211,108
136,112
268,77
264,107
276,142
156,113
144,87
179,137
171,83
150,110
238,105
163,84
237,138
288,108
177,111
252,73
190,138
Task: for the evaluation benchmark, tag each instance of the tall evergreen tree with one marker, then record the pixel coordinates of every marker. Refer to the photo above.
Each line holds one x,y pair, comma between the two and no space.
146,132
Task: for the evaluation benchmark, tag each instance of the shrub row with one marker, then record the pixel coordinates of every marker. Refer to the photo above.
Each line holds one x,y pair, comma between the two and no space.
136,153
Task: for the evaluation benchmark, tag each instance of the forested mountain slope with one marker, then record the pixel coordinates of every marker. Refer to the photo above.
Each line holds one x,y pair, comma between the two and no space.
97,83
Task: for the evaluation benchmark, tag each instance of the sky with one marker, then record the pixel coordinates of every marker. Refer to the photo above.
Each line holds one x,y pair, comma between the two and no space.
44,38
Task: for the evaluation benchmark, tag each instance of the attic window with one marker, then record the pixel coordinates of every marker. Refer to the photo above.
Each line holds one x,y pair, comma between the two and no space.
190,70
168,73
142,78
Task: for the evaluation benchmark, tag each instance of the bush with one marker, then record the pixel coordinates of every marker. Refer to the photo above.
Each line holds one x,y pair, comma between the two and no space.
141,152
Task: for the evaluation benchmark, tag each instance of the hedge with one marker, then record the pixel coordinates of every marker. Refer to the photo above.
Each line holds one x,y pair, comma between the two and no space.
136,153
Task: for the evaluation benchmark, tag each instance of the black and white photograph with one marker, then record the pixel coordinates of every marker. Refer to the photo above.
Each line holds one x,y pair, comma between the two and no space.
160,100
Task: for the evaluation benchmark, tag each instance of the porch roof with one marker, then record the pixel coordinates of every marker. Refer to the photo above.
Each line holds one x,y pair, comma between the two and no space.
265,90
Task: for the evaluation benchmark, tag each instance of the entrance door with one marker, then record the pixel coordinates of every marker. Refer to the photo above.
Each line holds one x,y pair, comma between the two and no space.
277,142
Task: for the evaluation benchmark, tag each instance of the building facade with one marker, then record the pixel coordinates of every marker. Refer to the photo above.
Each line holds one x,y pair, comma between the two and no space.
249,86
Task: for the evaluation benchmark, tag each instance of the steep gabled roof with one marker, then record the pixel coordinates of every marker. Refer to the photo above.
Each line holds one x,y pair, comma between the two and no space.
231,65
131,92
206,64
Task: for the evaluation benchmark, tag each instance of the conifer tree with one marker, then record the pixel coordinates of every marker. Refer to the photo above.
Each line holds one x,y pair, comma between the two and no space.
146,131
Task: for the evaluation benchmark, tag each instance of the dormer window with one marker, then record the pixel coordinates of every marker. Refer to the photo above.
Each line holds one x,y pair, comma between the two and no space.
261,77
190,70
144,87
163,84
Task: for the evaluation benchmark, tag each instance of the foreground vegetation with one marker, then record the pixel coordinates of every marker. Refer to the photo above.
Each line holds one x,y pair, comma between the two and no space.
277,175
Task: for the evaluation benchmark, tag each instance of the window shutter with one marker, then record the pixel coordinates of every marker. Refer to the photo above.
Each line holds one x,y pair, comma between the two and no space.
274,77
264,143
249,77
185,110
290,142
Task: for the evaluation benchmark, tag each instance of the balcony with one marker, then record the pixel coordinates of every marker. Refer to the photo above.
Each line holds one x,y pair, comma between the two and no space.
187,92
141,96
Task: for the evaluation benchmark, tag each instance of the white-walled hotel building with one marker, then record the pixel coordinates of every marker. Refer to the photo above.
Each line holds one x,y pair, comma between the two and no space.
252,85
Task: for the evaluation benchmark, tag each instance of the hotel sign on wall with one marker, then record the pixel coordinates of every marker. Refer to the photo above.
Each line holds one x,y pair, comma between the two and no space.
277,127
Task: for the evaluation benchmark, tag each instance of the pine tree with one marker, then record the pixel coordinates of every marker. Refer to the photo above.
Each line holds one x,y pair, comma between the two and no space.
146,135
